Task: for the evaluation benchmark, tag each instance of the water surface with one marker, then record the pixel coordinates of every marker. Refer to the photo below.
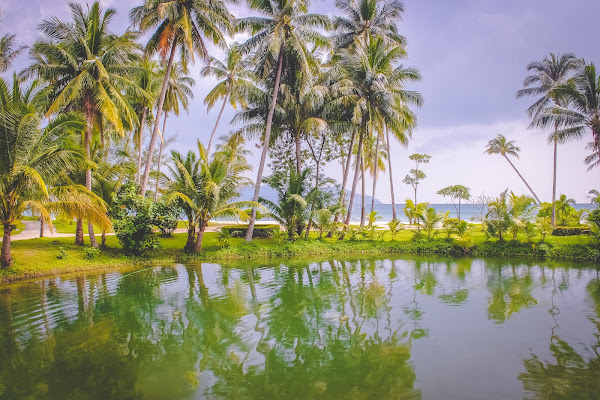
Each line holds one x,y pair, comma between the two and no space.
412,328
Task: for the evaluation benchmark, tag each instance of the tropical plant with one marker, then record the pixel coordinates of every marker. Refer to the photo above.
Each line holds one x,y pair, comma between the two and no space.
552,71
416,175
371,222
395,226
456,193
31,156
545,226
498,219
283,33
210,191
180,26
564,209
324,219
499,145
9,50
594,230
521,213
429,219
579,111
88,69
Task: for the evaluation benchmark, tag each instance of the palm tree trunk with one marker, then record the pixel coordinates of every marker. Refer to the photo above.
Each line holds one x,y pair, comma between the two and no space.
103,240
362,191
88,172
41,227
198,244
5,257
345,173
79,232
160,151
387,136
191,239
266,140
212,135
375,161
356,174
159,109
596,134
298,156
140,142
554,182
523,179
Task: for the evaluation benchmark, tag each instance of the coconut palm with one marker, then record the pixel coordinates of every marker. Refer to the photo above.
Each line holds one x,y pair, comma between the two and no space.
30,156
375,156
499,145
552,71
88,69
210,193
580,111
564,208
234,77
366,18
180,26
284,33
374,90
178,95
9,50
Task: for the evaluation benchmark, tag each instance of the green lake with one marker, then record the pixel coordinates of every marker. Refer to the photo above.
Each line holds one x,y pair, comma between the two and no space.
399,328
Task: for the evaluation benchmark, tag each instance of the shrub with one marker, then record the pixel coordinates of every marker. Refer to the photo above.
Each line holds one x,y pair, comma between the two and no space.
260,231
594,216
90,253
165,217
571,230
62,253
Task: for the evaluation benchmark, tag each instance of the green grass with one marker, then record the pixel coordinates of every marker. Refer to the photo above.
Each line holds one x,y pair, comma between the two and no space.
38,257
19,228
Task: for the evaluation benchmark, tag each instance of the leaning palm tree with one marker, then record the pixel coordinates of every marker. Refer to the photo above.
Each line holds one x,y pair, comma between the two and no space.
29,157
499,145
366,18
234,77
178,24
580,112
178,95
552,71
283,34
88,69
219,182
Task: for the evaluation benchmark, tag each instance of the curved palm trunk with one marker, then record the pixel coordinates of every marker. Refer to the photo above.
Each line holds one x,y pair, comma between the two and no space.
554,184
5,256
214,131
345,174
159,109
162,146
362,191
387,137
523,179
88,172
199,236
191,238
79,232
140,142
265,150
356,176
376,158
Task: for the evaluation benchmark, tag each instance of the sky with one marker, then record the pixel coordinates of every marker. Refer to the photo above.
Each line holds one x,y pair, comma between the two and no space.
472,55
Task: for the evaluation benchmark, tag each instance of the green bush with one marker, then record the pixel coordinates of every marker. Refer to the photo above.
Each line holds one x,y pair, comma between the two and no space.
165,217
594,216
260,231
90,253
571,230
62,253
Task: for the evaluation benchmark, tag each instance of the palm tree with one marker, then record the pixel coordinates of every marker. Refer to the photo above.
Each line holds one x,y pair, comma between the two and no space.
9,50
563,205
234,77
499,145
581,109
88,69
178,24
30,156
373,89
375,157
368,18
552,71
218,182
283,34
179,93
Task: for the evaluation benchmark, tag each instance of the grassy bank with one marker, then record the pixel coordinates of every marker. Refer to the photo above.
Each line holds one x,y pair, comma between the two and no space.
49,256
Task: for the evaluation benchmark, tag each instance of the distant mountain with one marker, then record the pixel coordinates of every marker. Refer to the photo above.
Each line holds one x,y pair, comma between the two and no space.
266,192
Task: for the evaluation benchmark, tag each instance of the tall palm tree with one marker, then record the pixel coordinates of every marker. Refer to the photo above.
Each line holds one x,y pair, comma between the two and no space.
366,18
88,69
180,25
375,156
30,156
234,77
283,33
179,93
9,50
580,112
552,71
499,145
374,91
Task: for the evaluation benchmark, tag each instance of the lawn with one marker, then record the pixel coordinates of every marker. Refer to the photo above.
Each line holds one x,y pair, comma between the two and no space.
19,226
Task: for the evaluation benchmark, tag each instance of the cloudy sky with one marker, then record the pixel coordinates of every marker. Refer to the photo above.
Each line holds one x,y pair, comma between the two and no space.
472,55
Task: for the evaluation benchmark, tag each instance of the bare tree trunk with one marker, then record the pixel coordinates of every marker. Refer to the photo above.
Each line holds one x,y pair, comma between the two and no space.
41,227
141,141
162,146
375,161
212,135
79,232
356,176
266,140
523,179
554,183
88,172
159,109
103,239
346,173
298,155
362,191
5,256
387,136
